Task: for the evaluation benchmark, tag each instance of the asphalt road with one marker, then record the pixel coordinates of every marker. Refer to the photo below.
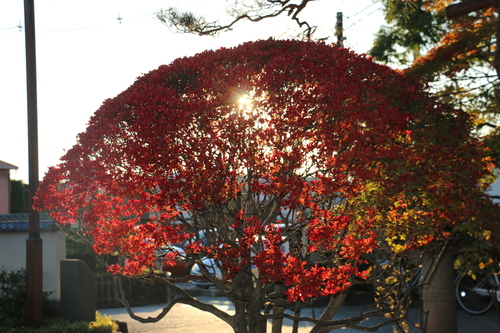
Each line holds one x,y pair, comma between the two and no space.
186,319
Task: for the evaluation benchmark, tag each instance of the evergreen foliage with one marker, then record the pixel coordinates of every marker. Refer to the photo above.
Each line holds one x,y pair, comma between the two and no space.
457,56
410,31
19,200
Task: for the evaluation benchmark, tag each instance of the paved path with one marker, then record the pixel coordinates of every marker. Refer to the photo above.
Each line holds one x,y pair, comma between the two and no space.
186,319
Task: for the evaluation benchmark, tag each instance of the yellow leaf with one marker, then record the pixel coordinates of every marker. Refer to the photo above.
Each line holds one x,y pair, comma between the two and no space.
391,280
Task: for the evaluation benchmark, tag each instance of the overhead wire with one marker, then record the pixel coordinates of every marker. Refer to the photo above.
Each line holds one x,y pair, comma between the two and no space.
362,10
364,17
360,17
10,28
124,19
119,18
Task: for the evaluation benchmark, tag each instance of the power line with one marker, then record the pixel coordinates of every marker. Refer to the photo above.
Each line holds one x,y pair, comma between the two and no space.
3,29
362,10
364,17
119,18
9,29
73,29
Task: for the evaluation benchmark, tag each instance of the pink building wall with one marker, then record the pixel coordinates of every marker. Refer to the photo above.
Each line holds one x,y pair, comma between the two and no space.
4,192
5,186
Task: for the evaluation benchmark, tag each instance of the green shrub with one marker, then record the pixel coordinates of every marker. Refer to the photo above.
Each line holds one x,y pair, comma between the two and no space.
12,298
102,324
12,311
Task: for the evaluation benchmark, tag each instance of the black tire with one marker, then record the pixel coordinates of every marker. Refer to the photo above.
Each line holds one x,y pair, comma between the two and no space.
468,299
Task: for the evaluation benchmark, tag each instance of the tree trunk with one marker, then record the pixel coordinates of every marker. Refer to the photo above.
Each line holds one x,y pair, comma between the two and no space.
277,309
464,8
247,305
438,295
256,323
240,317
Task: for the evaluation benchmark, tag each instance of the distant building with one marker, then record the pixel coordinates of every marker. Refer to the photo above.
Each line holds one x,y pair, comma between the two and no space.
5,186
14,233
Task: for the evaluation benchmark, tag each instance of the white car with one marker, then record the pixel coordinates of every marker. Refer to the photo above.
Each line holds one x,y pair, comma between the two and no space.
214,270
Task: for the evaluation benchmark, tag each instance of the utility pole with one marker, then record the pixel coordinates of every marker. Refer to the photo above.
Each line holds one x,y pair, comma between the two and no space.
339,30
34,264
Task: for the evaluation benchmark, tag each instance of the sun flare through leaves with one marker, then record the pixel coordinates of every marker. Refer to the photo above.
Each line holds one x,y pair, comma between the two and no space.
284,164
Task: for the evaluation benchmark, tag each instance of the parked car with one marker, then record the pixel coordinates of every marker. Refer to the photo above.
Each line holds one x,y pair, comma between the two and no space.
214,270
209,263
182,266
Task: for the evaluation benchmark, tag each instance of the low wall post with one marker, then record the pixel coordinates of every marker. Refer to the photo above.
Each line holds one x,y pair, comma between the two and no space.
78,291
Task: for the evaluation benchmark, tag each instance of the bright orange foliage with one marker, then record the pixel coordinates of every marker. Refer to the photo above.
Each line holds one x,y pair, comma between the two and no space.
469,42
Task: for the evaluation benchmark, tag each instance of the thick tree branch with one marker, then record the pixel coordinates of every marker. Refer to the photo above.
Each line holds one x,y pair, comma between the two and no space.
464,8
188,22
185,299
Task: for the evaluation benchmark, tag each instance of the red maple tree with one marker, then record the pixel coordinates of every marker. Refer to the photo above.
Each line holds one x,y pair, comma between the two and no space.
298,158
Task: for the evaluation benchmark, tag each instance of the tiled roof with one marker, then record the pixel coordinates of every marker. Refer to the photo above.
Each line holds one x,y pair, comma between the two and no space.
5,165
20,223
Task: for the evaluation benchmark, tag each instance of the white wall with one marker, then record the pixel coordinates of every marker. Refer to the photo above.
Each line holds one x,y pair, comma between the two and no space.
13,256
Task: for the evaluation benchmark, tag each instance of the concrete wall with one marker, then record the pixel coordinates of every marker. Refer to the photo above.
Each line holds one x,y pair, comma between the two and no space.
13,256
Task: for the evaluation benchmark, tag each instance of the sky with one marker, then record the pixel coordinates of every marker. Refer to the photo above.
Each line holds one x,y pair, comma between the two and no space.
91,50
